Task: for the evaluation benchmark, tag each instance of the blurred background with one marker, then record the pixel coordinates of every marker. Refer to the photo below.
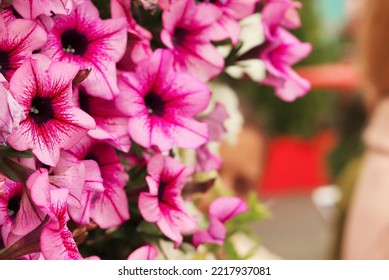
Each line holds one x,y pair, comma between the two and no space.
305,154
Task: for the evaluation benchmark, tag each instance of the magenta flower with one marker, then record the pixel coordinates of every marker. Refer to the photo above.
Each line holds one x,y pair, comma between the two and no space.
108,208
111,125
10,197
138,44
278,13
44,90
83,39
227,25
215,120
18,39
122,8
146,252
56,241
278,56
31,9
163,204
187,33
221,210
161,104
206,161
11,114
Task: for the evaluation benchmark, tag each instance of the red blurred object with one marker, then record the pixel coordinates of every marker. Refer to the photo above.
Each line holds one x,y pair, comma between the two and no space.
296,164
342,76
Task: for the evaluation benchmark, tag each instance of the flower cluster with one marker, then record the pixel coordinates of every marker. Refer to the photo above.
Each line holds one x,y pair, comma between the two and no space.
95,114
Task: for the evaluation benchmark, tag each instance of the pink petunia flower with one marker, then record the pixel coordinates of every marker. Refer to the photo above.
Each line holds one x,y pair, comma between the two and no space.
278,13
111,125
83,39
56,240
108,208
43,88
146,252
163,204
10,197
31,9
11,114
221,210
18,39
227,25
161,104
278,56
187,33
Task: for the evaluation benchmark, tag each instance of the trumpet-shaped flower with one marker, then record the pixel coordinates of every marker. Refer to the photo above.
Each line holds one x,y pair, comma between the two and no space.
18,39
187,33
163,204
83,39
278,13
43,88
107,208
227,25
221,210
279,56
161,104
56,241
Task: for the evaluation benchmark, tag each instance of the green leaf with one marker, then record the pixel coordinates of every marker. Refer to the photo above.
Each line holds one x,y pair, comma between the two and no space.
148,228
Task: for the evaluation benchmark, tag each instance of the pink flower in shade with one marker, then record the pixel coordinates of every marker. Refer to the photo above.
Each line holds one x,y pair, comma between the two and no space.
147,252
92,183
279,56
18,39
215,120
221,210
111,125
11,114
187,33
161,104
163,204
122,8
18,210
10,197
56,240
227,25
44,90
31,9
278,13
83,39
110,207
206,161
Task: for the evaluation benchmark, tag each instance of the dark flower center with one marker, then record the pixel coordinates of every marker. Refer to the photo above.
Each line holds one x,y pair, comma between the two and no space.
91,156
74,42
179,36
161,190
14,205
4,62
41,110
154,104
83,100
